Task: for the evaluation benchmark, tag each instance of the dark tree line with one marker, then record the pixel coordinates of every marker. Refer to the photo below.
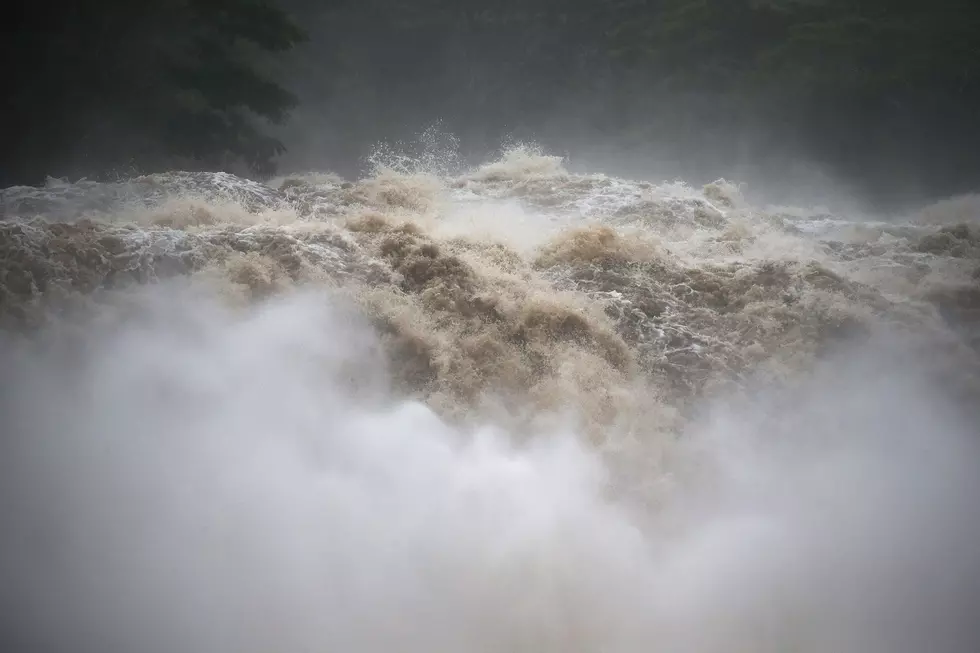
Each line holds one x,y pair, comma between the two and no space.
882,90
102,87
871,86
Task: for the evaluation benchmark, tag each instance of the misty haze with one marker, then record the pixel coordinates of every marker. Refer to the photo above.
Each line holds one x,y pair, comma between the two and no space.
539,326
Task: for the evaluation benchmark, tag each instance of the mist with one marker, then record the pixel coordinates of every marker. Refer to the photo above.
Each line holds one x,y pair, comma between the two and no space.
186,477
622,326
802,101
657,90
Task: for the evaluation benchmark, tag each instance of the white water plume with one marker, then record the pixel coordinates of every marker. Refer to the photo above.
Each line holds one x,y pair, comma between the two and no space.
189,478
505,409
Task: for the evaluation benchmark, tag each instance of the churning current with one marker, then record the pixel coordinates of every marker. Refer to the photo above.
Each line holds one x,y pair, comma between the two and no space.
504,409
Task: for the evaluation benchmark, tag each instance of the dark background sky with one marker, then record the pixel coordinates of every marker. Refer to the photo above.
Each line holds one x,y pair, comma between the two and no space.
875,99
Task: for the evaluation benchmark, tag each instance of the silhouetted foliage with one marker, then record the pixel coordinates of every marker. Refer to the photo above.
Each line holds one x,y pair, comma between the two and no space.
111,86
866,82
885,92
869,47
882,91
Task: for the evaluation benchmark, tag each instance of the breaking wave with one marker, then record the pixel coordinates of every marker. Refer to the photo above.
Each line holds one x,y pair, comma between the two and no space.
507,408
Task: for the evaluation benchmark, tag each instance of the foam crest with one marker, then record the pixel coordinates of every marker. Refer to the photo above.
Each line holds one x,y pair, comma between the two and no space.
508,408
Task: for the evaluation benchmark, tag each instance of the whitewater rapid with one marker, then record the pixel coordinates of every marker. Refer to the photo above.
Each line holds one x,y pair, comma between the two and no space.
507,408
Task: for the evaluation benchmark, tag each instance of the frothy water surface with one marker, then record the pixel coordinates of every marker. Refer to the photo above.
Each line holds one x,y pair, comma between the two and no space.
503,409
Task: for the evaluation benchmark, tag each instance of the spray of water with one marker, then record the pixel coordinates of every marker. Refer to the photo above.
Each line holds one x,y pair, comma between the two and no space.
351,454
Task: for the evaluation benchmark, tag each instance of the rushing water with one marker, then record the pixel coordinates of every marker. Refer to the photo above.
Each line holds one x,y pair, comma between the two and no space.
501,409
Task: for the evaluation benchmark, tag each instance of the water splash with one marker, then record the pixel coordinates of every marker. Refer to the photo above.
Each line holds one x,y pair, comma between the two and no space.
507,408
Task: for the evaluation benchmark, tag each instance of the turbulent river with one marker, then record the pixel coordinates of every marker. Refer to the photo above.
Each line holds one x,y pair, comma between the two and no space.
505,409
